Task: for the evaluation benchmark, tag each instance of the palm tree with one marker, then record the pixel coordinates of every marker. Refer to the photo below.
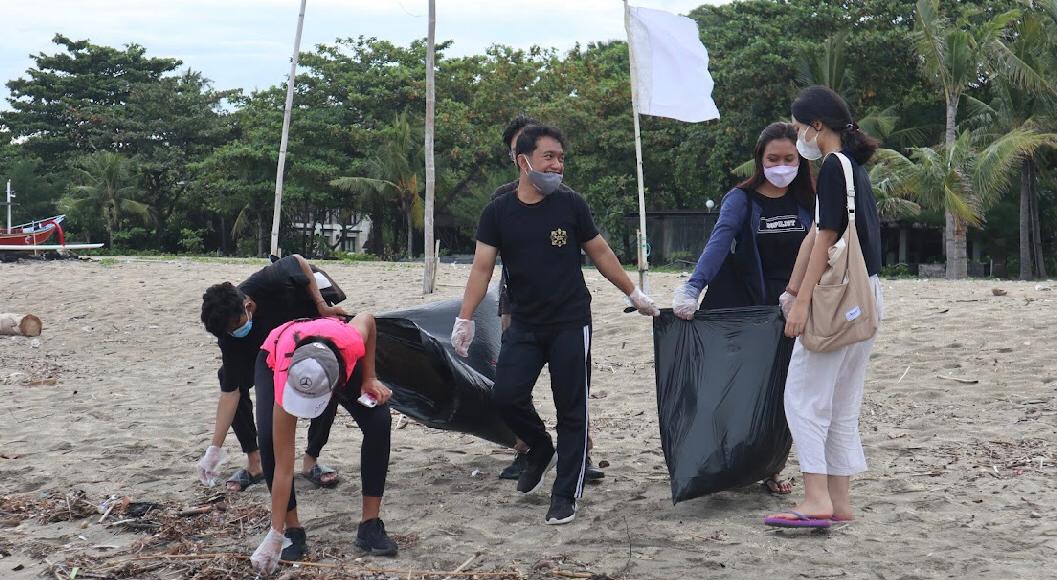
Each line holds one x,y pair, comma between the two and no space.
955,59
104,189
1018,124
828,67
393,177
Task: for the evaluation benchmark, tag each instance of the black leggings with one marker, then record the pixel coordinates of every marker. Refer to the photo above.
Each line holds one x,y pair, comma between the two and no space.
246,430
374,423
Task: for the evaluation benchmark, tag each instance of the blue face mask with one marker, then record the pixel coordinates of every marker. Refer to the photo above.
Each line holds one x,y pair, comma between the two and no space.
242,331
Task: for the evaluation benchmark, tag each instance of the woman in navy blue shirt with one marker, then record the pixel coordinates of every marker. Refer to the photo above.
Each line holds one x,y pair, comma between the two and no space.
753,247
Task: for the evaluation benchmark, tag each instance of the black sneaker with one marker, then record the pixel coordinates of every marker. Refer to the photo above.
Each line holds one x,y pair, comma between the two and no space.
298,548
371,538
538,462
592,473
513,471
563,510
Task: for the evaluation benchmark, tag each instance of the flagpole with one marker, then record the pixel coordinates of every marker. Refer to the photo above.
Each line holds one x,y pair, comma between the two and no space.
430,275
286,133
644,265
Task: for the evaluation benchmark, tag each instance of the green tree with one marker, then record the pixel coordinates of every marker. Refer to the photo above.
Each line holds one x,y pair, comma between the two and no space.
394,177
956,57
105,189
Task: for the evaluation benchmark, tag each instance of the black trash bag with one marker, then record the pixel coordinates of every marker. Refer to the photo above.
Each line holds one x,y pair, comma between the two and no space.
720,389
432,384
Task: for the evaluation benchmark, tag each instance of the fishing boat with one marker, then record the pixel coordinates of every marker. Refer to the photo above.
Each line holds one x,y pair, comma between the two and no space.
35,235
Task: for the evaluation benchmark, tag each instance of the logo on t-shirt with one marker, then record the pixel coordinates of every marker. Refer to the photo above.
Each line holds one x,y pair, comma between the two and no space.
559,237
780,224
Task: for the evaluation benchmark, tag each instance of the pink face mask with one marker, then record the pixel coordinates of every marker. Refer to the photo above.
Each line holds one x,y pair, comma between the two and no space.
781,175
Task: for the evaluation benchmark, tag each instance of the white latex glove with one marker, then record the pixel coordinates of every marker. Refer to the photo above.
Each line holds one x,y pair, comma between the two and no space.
209,465
643,303
265,558
462,336
786,301
684,301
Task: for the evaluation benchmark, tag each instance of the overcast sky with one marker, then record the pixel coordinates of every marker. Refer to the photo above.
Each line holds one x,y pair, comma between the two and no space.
247,43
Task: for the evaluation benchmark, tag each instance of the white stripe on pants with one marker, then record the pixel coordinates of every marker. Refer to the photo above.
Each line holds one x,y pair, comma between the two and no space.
823,397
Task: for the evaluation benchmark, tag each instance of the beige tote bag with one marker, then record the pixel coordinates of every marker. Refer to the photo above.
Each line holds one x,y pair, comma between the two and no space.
843,309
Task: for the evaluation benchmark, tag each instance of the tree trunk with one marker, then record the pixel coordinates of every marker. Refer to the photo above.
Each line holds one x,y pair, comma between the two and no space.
1036,235
954,238
223,236
260,236
410,234
1026,259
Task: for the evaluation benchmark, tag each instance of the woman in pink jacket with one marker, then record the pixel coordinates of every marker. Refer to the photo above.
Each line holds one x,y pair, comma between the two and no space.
306,366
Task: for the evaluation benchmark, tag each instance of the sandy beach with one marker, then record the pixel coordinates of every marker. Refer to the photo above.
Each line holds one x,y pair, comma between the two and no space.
117,398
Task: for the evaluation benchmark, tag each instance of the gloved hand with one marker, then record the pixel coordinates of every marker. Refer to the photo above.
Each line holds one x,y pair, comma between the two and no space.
462,336
684,301
643,303
265,558
786,301
209,465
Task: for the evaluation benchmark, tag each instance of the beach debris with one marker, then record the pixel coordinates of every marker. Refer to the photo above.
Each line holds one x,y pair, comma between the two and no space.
959,380
1042,288
19,324
35,343
999,292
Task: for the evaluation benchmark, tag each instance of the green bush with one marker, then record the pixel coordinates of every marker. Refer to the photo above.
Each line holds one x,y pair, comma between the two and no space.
896,271
359,257
191,241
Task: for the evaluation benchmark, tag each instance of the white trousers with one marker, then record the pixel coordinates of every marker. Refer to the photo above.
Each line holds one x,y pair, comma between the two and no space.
823,397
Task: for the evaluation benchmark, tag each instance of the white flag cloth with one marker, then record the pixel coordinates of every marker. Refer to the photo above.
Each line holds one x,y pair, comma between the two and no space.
670,66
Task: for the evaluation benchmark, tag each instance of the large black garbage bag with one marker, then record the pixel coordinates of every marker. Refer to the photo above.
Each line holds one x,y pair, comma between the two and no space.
720,385
430,382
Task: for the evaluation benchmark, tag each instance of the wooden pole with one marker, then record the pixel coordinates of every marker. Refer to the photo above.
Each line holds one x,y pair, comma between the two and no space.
640,234
430,276
286,132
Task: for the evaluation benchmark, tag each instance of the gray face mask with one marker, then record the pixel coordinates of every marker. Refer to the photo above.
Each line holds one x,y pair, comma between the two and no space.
545,183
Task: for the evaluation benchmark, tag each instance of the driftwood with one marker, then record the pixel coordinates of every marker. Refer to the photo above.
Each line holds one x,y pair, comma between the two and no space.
19,324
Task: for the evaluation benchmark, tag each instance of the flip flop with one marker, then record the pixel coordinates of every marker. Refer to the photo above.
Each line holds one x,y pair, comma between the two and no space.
778,484
244,479
315,475
798,520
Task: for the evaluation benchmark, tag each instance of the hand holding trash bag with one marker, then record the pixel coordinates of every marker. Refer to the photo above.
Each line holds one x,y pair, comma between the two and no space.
684,301
208,467
643,303
265,558
462,336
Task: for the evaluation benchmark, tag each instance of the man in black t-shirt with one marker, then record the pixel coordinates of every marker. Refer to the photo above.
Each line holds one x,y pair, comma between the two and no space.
510,134
540,231
241,318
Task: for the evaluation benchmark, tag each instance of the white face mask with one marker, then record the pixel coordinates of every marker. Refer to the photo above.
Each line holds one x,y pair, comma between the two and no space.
808,150
781,176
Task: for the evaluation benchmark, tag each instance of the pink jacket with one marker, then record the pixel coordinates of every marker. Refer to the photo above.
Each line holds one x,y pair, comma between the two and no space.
282,341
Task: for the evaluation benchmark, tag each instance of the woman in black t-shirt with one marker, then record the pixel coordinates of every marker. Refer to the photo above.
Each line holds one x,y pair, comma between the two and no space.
753,247
824,390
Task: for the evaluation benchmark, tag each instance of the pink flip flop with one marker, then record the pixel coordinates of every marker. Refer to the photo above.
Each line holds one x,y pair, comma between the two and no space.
798,520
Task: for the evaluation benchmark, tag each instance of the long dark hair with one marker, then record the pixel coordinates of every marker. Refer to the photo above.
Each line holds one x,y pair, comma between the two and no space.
823,104
803,186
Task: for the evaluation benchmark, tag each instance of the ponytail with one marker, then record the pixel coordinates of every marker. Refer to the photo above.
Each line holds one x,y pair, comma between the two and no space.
823,104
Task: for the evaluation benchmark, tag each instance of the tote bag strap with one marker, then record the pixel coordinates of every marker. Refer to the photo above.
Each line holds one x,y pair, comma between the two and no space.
849,186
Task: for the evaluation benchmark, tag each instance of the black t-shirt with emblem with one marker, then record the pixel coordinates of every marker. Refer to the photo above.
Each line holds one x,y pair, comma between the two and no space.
540,246
778,238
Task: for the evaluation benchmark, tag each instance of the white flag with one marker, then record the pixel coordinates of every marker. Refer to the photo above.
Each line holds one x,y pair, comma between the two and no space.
670,66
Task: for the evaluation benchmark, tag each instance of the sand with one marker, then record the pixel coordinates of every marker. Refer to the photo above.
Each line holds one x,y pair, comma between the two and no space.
117,397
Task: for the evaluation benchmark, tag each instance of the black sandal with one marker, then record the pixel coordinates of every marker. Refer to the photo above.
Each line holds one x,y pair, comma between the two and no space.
778,484
244,479
315,475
